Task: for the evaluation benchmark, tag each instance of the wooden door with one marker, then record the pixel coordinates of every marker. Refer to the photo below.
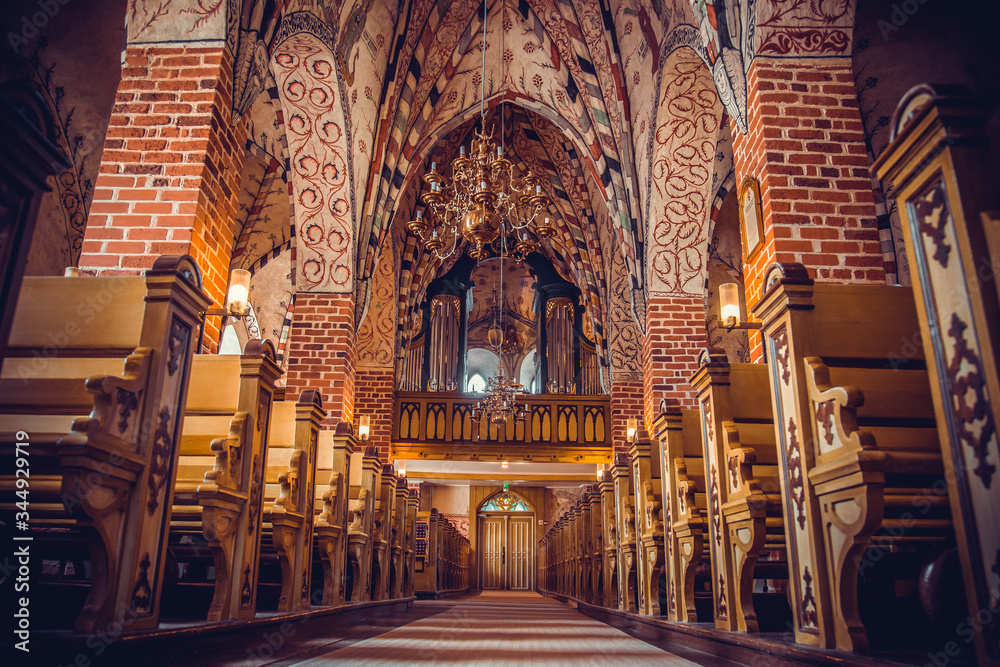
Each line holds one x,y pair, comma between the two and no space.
519,554
494,542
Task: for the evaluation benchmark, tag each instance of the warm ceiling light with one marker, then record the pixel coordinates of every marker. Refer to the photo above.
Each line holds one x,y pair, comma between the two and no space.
504,464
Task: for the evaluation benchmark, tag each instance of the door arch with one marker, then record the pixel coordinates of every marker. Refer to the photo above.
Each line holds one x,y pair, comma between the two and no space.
506,537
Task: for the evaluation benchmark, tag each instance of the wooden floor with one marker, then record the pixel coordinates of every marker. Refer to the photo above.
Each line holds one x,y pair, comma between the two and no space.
499,628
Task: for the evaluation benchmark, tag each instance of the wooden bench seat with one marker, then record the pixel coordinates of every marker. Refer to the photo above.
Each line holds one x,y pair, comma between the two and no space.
385,483
289,495
397,543
217,493
446,556
853,417
678,433
628,553
361,512
877,456
332,476
745,510
647,489
412,503
95,370
609,524
592,498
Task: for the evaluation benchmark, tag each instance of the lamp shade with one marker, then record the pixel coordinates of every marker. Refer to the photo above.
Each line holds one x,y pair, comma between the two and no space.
632,426
364,427
729,301
237,300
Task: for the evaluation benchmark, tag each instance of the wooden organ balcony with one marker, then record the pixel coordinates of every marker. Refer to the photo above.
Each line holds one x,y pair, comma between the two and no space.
568,427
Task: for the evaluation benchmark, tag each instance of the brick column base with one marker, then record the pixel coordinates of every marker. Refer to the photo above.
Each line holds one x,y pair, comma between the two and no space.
675,336
373,396
626,402
321,353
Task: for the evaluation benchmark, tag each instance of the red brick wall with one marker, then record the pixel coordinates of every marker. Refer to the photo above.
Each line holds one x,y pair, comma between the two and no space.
170,173
675,335
626,402
373,396
321,352
806,147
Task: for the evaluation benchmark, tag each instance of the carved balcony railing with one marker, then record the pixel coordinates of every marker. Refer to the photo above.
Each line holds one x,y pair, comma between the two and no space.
560,422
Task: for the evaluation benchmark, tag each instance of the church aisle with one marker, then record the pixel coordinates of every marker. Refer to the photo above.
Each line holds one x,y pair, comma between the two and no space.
500,628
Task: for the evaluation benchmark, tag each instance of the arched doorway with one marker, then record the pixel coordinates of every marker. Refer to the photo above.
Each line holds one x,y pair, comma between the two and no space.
506,522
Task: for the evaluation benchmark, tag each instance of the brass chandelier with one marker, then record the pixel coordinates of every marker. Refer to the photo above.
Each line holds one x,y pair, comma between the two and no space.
484,202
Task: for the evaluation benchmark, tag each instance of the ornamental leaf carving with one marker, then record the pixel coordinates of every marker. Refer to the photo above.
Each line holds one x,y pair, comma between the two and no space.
795,478
160,459
972,406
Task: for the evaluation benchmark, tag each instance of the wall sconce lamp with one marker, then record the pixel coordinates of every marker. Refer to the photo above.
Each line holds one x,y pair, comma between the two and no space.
401,467
364,427
632,430
600,471
729,307
237,301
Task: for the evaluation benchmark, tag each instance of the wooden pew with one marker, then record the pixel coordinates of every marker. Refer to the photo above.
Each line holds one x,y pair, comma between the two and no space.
119,350
609,522
412,503
363,472
592,497
685,509
398,542
290,479
382,535
744,492
446,556
333,465
586,550
857,444
647,488
628,575
217,492
939,170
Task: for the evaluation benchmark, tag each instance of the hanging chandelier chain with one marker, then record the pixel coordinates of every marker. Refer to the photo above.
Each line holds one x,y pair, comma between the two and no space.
485,200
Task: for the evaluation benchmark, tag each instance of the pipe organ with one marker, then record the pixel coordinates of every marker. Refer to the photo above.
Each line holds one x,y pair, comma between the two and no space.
590,372
559,345
445,329
411,376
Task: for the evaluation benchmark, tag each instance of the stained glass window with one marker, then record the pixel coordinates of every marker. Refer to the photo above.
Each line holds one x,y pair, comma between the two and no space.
506,502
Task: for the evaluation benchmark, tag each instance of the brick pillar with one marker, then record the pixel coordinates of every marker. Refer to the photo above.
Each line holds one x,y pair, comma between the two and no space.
675,336
626,402
806,147
373,396
321,352
170,173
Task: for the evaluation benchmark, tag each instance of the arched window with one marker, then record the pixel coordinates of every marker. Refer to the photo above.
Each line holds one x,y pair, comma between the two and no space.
477,384
505,502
